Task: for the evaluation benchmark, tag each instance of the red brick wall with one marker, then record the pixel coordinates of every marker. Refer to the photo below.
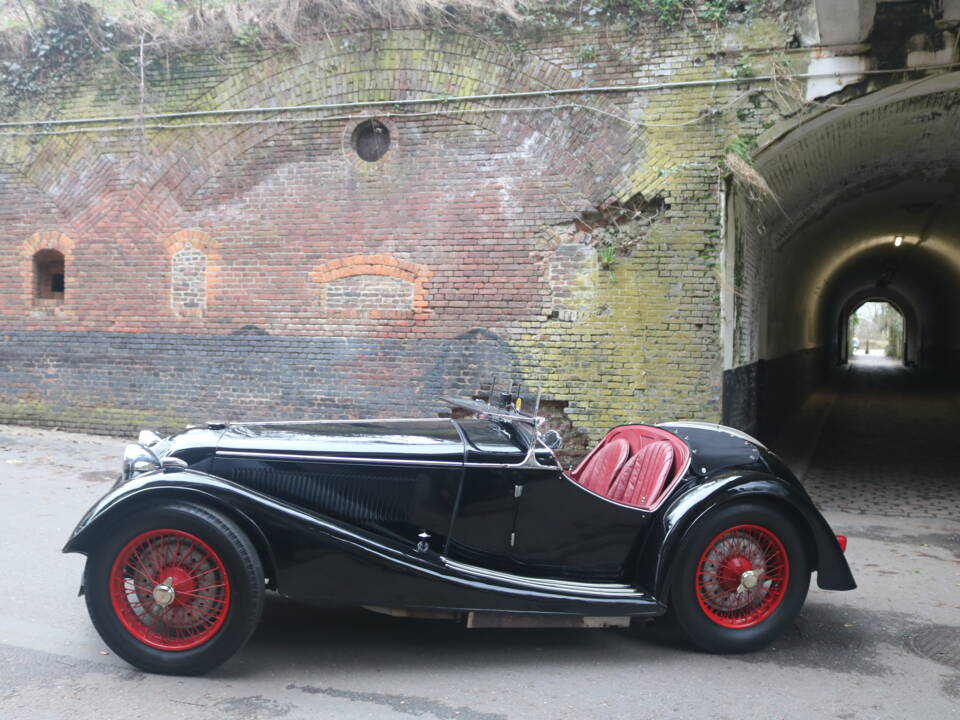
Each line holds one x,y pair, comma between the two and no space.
459,208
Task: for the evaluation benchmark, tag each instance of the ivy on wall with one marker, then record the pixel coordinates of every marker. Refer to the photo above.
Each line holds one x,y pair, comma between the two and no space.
71,35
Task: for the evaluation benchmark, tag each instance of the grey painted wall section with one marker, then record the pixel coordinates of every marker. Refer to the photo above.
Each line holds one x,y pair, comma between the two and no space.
166,380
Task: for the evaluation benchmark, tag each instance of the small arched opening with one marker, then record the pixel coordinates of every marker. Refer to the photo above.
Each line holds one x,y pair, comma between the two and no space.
875,333
49,277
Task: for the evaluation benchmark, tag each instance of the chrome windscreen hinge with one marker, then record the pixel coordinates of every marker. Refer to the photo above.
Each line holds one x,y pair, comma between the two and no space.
517,490
513,539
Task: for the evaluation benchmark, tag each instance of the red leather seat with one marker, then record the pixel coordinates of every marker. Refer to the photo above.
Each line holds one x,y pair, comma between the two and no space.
640,482
602,468
659,459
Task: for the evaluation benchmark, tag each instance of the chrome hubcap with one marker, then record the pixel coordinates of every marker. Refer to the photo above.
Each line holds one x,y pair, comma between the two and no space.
164,593
749,579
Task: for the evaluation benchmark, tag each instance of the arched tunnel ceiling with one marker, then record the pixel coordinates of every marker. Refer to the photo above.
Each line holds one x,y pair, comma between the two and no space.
923,211
848,182
902,131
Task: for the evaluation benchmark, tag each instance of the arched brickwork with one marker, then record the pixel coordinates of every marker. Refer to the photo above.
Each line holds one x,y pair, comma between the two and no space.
194,270
380,265
846,149
45,240
591,145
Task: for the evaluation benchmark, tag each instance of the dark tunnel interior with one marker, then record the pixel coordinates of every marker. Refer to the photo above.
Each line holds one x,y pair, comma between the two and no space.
863,207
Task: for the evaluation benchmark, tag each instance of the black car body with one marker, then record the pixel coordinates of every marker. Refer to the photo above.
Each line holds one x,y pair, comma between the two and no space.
473,518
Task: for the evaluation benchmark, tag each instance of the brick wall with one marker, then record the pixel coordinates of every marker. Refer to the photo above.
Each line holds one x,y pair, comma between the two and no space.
266,270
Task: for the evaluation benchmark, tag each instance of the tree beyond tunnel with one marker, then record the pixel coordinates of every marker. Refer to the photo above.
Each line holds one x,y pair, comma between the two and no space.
875,330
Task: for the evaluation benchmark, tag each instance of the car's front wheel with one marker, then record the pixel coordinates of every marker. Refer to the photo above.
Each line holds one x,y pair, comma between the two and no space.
742,578
175,589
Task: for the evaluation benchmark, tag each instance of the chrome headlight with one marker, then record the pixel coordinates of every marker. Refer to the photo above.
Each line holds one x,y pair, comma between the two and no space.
137,460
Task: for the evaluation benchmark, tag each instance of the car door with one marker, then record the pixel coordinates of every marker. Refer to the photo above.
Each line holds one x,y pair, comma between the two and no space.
563,530
487,507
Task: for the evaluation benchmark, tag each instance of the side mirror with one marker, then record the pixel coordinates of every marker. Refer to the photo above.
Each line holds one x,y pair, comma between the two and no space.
552,439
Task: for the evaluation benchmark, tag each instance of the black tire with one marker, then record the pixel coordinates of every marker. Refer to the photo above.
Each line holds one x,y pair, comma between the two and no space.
701,585
209,619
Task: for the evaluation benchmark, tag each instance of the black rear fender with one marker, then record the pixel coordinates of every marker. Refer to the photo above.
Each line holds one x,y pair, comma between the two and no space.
658,555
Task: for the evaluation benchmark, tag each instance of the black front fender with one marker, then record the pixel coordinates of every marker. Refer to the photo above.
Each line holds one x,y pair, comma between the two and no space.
666,535
155,488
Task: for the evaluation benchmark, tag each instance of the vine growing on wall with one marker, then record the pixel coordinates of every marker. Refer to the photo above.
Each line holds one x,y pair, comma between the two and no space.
204,22
70,36
633,13
43,42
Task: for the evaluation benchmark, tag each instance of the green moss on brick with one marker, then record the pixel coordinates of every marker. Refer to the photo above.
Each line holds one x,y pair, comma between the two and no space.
100,419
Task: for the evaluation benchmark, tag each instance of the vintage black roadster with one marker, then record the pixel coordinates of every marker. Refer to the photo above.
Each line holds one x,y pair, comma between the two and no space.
469,517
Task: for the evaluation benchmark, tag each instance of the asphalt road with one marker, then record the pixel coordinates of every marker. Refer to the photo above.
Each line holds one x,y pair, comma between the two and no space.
861,654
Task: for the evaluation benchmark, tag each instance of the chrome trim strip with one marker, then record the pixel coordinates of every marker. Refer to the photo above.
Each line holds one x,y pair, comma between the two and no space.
529,462
566,586
338,458
386,461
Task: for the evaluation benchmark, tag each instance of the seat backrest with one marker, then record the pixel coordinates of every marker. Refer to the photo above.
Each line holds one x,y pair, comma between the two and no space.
640,482
603,467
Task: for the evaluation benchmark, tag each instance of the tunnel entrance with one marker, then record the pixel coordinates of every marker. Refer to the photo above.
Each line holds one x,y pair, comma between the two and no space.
874,334
851,248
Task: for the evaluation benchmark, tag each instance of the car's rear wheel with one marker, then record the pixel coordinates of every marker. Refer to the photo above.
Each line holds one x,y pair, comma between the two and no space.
175,589
741,579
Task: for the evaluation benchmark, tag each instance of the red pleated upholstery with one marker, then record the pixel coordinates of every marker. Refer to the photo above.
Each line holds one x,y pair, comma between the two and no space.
599,472
657,460
642,479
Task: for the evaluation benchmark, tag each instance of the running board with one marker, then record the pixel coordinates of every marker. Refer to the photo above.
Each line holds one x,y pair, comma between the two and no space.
478,620
565,587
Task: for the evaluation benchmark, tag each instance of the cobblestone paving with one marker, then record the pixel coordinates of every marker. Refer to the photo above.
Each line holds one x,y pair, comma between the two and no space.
889,446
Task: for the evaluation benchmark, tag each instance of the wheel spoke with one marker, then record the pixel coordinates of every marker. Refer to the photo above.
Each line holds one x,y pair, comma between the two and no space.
136,561
188,593
201,574
153,553
200,560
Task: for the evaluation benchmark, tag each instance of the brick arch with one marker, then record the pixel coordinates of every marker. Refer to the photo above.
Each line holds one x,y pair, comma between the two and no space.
204,243
810,162
597,154
377,265
197,238
600,150
48,240
816,164
44,240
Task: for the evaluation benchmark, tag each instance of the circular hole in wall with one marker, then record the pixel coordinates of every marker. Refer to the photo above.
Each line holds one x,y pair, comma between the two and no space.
371,140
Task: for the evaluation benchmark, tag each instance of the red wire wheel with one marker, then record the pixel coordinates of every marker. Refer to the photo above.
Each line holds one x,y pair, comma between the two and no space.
169,590
742,576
